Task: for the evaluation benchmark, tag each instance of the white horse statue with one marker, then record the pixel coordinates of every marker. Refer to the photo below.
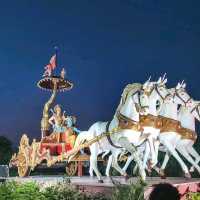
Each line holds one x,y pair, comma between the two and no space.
179,138
150,95
128,137
170,137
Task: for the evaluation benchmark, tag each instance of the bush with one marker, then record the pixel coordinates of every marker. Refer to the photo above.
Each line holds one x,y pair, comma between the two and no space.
32,191
16,191
5,150
63,192
193,196
129,192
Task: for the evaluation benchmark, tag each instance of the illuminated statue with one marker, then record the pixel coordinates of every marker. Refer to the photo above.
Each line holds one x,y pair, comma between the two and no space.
57,120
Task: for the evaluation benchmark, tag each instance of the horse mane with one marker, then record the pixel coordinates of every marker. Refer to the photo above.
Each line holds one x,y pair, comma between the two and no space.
129,90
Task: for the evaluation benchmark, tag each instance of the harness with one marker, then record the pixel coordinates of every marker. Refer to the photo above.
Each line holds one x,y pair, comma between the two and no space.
163,98
197,110
169,125
109,138
124,123
145,120
183,100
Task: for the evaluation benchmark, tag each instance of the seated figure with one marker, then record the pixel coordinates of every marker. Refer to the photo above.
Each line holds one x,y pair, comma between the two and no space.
70,122
63,126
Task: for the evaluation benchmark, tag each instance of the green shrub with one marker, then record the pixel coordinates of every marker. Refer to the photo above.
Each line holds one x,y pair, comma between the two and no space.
64,191
193,196
16,191
129,192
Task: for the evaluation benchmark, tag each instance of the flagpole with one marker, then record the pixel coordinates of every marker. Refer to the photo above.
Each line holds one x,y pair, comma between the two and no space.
56,53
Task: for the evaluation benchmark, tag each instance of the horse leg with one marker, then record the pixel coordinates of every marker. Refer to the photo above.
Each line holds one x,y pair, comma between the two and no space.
191,150
91,171
129,160
146,154
164,164
135,169
188,157
116,165
156,144
93,163
172,150
109,164
123,141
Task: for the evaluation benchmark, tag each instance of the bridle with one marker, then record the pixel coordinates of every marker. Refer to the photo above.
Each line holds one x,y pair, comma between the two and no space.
158,92
139,100
183,100
163,98
196,109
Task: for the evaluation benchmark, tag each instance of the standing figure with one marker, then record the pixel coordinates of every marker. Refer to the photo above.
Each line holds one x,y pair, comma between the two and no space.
57,120
63,126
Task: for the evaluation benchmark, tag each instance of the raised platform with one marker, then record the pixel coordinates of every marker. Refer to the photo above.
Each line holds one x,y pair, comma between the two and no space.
91,185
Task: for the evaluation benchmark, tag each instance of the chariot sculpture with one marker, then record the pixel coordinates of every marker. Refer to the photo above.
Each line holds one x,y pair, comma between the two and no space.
147,120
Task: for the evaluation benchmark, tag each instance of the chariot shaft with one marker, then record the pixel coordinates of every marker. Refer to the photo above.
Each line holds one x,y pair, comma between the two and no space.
75,150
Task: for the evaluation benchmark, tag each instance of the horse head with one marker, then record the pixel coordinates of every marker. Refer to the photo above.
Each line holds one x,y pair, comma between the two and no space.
153,95
129,101
180,94
194,108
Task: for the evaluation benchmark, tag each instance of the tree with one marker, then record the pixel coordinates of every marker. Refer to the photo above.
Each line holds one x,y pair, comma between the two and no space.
5,150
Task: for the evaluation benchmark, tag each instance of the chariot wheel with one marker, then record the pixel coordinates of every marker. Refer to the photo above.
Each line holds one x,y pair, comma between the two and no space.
23,165
71,168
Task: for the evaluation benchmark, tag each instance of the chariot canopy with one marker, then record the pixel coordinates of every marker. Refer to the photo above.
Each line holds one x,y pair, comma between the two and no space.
62,84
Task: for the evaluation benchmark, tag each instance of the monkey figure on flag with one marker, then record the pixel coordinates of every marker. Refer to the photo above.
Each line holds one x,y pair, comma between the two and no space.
50,67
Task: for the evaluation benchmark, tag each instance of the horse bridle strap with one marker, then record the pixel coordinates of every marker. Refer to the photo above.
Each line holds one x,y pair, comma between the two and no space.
121,116
109,138
185,102
163,98
195,108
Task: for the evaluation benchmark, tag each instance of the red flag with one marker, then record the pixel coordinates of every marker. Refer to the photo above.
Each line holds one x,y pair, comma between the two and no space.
52,62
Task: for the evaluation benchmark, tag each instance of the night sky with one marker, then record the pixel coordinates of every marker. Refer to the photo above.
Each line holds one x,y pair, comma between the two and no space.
103,45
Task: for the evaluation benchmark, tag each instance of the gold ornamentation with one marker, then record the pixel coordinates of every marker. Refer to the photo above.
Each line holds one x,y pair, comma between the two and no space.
71,168
127,123
187,134
150,120
169,125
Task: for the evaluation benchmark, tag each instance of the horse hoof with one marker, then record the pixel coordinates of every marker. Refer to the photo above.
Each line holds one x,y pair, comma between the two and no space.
149,172
187,175
163,177
192,169
126,177
100,181
162,174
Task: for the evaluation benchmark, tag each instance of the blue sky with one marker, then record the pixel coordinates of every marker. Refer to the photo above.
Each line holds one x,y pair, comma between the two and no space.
103,45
